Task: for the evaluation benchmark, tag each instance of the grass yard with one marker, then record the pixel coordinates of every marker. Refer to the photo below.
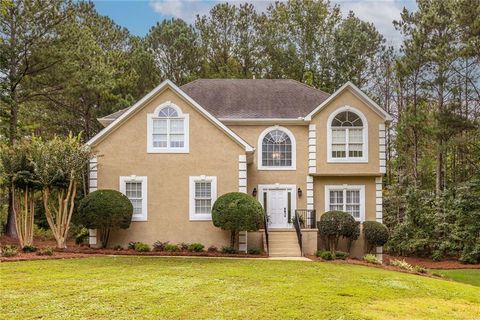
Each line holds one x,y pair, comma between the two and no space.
470,276
188,288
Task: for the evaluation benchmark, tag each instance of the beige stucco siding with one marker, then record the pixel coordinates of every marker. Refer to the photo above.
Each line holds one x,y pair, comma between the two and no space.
251,133
358,247
319,184
347,98
212,153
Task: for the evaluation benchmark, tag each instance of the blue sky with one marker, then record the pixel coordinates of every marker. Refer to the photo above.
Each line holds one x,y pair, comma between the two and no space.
139,15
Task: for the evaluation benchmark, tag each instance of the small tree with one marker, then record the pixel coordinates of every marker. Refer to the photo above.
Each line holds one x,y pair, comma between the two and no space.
105,210
18,175
237,211
58,164
376,234
336,224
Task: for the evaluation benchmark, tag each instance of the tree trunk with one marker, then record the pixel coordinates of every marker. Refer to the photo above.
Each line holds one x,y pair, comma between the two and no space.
10,228
232,239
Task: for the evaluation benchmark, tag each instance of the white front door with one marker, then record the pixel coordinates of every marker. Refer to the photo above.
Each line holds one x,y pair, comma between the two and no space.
277,208
279,202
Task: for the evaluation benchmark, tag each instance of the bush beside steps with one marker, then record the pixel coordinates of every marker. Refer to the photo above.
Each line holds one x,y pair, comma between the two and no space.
328,255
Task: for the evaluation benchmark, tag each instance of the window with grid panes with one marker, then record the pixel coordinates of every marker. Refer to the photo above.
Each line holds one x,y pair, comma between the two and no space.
347,200
203,197
133,191
168,129
277,149
347,136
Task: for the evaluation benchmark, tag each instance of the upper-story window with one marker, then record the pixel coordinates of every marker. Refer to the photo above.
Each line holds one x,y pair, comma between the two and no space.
276,149
167,130
347,136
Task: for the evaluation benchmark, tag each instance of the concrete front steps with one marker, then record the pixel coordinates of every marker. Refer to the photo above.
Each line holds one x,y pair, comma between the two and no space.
283,243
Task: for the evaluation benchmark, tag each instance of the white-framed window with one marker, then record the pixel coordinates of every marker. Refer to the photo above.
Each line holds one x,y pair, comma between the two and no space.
135,188
203,193
276,149
347,198
347,136
167,130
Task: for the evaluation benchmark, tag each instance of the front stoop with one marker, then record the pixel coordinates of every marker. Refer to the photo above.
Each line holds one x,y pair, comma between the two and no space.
283,243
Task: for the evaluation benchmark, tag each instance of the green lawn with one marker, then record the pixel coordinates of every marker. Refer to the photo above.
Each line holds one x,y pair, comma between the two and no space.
178,288
471,276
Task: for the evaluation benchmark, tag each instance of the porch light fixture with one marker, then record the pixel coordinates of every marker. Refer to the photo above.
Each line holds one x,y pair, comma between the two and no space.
299,191
254,192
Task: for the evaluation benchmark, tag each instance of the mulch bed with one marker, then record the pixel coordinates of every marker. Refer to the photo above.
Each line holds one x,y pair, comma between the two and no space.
430,264
75,251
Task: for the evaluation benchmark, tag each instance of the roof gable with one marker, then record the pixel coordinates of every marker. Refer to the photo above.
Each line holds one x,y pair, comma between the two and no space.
359,94
125,114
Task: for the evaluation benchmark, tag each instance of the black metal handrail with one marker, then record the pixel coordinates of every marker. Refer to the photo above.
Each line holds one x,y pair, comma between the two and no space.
307,218
296,224
265,227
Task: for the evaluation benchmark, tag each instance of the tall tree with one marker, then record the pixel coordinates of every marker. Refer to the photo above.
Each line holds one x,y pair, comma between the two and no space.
173,44
26,27
99,72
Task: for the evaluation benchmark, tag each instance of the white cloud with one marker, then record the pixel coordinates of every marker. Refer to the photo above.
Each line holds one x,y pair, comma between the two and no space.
381,13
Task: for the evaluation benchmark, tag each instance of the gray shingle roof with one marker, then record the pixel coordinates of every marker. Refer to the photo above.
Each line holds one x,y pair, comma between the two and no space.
250,98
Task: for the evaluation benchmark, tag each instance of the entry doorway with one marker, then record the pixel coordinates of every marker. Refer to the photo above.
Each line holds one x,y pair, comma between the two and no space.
279,202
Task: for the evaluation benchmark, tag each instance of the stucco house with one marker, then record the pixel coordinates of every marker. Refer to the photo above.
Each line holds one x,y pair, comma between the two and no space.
298,150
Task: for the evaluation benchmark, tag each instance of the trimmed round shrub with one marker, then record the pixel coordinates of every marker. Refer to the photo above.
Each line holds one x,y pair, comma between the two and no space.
237,211
336,224
376,234
105,210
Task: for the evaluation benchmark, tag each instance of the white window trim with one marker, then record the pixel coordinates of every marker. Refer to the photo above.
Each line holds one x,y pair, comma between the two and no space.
345,187
347,159
260,149
181,115
192,179
144,181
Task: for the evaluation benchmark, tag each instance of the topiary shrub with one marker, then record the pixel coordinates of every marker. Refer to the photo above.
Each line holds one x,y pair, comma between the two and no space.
237,211
196,247
334,225
376,234
105,210
142,247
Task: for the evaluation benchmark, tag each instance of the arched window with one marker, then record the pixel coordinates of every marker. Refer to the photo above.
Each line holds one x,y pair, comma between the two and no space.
347,136
276,149
168,129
